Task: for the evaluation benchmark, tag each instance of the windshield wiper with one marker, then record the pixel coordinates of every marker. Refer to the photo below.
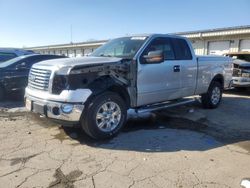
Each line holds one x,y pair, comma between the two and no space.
126,59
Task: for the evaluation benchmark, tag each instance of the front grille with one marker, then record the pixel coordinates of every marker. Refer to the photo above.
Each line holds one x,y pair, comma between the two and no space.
39,79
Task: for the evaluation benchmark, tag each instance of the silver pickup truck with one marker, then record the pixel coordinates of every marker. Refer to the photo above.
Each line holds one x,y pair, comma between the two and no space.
144,73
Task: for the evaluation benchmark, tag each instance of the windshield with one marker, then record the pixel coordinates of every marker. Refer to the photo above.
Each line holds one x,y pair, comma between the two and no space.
11,61
125,47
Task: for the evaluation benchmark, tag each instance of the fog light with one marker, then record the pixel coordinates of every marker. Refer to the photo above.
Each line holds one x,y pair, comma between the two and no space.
67,108
56,111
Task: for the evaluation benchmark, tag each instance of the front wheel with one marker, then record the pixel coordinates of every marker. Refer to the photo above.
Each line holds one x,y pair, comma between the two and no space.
213,97
104,115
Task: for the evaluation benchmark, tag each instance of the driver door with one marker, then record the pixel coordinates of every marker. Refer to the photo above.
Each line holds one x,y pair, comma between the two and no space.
158,82
18,75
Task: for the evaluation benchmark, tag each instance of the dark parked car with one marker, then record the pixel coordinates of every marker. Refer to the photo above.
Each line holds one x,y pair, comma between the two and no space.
14,73
10,53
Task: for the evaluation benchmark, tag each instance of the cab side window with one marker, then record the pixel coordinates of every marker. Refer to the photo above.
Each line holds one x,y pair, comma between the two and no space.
181,48
164,44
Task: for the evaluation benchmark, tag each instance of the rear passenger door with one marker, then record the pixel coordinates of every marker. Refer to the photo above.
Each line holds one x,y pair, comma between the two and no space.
187,65
20,74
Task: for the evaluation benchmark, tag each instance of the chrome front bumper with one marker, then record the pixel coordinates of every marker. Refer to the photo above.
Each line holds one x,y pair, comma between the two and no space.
68,106
54,110
241,82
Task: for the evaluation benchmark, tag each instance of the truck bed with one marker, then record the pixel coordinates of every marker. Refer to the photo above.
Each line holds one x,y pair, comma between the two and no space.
207,66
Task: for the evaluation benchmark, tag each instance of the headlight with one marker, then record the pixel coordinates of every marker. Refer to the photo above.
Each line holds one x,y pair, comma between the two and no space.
60,83
67,108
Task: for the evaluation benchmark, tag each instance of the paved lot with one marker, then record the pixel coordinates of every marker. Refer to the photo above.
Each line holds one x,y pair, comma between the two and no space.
181,147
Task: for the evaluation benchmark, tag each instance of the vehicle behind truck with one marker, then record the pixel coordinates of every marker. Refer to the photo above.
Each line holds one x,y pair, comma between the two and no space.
10,53
241,69
145,73
14,73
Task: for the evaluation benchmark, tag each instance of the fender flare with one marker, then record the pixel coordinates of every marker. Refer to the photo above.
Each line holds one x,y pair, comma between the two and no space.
107,83
218,78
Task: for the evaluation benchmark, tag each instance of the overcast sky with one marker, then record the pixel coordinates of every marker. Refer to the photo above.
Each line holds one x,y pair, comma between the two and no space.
43,22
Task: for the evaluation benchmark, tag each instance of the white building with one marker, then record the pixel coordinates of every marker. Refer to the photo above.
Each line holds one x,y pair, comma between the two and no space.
220,41
70,50
205,42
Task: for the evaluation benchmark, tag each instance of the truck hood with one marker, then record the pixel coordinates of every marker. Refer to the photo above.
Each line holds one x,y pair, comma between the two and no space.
77,61
242,63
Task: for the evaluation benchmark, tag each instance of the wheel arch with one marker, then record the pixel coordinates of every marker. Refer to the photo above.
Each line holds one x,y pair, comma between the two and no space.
107,83
122,92
218,78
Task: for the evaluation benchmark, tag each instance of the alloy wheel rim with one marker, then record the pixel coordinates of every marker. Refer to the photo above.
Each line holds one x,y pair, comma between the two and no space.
216,94
108,116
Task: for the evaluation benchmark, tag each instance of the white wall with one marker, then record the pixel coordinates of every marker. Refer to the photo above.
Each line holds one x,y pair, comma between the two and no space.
202,46
245,45
218,47
198,46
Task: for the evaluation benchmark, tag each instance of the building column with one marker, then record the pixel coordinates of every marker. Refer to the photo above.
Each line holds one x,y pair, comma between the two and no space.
234,45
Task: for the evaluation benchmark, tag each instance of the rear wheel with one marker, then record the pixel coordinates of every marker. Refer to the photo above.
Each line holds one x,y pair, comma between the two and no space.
212,98
104,116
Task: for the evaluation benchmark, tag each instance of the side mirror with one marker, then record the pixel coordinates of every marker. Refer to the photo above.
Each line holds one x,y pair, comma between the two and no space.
21,66
154,57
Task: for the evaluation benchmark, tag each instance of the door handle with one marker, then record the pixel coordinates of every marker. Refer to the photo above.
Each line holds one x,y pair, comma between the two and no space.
177,68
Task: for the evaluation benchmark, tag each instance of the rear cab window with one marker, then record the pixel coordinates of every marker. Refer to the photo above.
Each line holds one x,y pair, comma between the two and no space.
181,49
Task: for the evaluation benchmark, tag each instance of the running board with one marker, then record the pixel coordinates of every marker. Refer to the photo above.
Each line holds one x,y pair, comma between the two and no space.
164,105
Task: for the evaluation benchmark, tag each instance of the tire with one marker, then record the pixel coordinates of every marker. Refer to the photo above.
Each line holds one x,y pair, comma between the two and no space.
213,97
1,93
112,115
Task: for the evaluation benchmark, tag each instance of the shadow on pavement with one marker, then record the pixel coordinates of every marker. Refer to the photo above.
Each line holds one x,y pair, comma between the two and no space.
152,133
239,91
187,127
174,130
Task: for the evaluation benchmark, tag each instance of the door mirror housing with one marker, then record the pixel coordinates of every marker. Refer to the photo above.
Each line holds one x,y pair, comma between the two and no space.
154,57
21,66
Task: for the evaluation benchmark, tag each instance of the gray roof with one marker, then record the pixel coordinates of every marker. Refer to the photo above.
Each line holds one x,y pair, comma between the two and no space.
214,30
189,34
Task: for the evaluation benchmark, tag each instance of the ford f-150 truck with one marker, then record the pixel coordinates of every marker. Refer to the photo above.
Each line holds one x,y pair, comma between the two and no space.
144,73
